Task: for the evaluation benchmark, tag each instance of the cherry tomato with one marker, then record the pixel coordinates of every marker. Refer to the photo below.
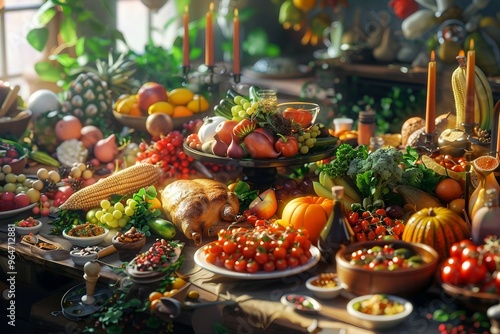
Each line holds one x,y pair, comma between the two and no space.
489,261
472,271
353,217
240,265
496,279
450,273
261,257
229,246
229,264
249,251
293,262
279,253
281,264
252,267
269,266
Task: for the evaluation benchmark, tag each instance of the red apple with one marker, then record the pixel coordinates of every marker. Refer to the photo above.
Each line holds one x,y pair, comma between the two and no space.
149,93
21,200
265,205
7,205
7,196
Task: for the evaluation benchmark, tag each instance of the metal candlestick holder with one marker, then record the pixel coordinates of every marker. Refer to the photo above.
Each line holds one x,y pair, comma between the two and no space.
185,72
236,78
469,128
430,141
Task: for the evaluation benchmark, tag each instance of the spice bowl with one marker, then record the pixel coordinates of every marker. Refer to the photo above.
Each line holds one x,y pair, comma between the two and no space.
324,286
128,244
83,255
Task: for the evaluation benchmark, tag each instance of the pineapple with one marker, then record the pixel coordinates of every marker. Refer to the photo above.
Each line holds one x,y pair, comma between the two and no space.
89,99
118,74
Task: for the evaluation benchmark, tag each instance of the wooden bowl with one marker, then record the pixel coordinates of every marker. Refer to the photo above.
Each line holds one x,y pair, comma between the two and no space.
18,163
476,301
128,250
15,126
139,122
401,282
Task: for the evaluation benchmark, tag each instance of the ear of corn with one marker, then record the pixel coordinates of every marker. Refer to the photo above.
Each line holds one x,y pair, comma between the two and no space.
124,182
483,96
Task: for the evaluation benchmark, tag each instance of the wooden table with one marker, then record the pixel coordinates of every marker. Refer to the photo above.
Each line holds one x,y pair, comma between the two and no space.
256,296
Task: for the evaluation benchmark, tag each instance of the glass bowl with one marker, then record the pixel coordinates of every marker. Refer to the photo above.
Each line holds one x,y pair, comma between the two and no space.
312,108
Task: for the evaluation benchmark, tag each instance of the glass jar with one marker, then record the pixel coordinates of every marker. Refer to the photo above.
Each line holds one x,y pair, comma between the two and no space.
366,127
268,100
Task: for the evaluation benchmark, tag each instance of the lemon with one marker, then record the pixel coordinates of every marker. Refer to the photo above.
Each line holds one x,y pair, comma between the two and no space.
198,104
180,96
161,107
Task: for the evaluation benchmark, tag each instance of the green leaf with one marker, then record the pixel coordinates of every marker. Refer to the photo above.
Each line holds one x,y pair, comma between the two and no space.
47,71
45,13
38,38
440,316
68,31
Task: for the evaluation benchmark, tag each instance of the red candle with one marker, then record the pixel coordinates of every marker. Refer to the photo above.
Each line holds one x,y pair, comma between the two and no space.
185,42
236,43
209,37
469,84
430,116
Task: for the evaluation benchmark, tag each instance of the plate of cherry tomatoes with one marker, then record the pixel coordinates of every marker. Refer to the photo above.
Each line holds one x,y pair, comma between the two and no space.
260,253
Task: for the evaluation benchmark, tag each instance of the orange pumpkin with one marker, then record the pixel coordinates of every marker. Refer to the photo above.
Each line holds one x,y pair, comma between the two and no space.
308,212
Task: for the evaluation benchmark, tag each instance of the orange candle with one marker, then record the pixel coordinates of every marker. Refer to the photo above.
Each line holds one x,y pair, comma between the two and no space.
236,43
185,42
430,115
209,37
469,84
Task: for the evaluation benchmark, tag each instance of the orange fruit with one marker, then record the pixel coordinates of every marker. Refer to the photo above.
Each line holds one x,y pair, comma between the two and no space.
457,206
181,111
155,303
485,164
155,295
448,190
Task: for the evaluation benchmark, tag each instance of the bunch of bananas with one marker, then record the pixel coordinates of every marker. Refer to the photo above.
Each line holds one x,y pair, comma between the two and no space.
483,96
323,188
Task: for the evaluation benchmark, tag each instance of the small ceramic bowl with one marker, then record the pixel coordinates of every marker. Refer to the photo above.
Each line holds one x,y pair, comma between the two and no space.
84,255
324,286
24,230
86,241
372,321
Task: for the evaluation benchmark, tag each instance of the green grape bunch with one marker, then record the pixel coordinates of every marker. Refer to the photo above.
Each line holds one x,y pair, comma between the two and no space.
307,138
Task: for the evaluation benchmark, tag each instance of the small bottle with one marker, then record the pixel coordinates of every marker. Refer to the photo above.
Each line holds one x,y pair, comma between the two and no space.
366,127
335,233
485,221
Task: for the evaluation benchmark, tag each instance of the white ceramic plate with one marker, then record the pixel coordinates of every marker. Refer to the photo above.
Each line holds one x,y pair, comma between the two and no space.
12,213
200,260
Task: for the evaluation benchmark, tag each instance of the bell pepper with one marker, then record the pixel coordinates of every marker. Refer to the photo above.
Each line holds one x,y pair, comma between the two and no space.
288,146
299,116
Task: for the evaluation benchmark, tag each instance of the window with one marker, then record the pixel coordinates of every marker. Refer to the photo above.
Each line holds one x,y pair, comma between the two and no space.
17,57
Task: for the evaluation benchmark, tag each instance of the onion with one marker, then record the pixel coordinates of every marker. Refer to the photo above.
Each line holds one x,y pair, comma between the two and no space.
159,124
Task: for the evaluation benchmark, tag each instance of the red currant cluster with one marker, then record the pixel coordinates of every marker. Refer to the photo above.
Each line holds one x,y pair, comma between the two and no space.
168,153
